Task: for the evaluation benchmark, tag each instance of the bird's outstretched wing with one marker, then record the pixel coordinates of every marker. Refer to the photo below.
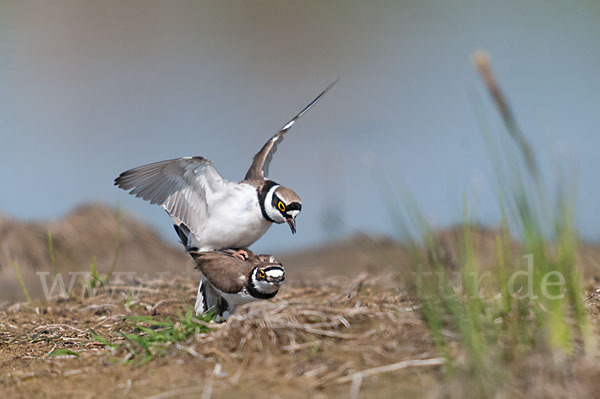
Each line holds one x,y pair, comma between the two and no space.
260,164
184,187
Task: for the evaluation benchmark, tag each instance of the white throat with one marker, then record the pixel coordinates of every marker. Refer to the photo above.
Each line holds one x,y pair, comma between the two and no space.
264,287
271,211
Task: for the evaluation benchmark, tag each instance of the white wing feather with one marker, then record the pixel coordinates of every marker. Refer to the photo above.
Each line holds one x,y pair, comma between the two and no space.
184,187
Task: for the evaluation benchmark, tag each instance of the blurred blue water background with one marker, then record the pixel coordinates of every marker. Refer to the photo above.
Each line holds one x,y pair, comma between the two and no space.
89,89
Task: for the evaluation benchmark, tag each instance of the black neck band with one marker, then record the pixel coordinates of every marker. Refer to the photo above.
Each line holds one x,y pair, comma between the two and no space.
254,292
262,195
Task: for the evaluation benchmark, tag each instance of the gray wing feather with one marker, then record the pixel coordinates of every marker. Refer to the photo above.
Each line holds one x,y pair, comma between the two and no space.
183,187
262,160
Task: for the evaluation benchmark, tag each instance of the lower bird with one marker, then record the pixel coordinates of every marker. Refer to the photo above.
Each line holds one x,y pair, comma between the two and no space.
228,281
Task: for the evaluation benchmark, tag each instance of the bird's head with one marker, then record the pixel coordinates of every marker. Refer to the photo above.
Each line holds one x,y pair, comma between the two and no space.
283,205
267,279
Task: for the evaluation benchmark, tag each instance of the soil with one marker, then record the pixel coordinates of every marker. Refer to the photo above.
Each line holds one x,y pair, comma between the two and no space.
341,326
297,345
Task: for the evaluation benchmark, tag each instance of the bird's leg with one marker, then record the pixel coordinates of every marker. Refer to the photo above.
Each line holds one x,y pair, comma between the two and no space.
237,253
241,254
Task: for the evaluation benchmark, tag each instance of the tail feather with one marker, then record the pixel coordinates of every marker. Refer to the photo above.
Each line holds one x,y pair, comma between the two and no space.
209,300
201,305
182,232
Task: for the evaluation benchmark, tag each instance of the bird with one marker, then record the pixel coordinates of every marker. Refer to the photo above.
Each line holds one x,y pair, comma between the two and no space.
228,281
211,213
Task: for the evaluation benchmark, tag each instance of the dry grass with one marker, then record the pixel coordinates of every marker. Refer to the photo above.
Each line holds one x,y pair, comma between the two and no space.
308,341
89,232
323,336
359,337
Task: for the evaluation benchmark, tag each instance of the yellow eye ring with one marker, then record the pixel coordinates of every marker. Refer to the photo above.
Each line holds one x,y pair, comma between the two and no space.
281,206
261,273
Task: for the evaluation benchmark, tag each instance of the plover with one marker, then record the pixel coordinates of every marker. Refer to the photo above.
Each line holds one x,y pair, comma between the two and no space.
211,213
228,281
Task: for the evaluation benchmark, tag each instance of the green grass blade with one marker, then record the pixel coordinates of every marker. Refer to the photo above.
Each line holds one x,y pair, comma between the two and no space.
21,282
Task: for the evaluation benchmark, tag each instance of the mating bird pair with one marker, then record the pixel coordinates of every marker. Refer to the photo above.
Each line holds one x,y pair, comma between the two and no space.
216,220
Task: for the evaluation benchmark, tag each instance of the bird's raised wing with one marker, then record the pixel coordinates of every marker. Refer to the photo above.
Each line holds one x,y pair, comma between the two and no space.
260,164
185,187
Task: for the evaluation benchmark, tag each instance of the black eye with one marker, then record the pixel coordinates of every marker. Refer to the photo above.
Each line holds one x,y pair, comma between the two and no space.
261,274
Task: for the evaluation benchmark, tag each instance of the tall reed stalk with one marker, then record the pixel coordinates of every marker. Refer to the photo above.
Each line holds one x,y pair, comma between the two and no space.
480,328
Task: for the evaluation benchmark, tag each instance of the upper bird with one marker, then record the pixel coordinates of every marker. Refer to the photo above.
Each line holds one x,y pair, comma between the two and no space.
211,213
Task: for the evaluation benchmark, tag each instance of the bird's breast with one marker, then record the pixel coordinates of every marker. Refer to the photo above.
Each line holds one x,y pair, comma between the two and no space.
234,221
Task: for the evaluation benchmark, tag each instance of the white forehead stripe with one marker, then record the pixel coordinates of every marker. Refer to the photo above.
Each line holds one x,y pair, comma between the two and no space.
275,273
293,213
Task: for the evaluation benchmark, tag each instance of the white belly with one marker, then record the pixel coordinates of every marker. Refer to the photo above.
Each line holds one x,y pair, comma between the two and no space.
233,221
234,300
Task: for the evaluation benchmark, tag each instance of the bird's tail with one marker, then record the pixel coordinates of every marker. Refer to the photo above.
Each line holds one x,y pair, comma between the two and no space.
184,234
201,305
208,300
